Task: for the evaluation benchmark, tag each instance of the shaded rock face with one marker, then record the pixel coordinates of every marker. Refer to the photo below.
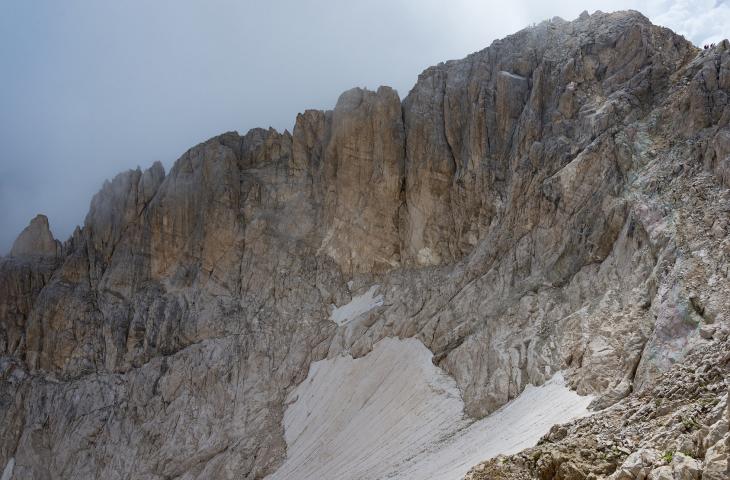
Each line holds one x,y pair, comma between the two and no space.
556,201
36,240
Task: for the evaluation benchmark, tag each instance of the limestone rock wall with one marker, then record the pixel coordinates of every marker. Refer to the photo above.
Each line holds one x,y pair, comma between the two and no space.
36,240
556,201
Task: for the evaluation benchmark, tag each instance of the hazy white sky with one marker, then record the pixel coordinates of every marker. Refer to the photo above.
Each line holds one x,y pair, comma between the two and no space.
89,88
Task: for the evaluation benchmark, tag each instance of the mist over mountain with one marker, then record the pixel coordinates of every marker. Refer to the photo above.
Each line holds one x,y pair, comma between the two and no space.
94,88
517,270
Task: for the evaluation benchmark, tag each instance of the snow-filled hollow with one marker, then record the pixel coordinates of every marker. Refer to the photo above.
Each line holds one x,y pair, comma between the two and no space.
394,414
359,305
8,471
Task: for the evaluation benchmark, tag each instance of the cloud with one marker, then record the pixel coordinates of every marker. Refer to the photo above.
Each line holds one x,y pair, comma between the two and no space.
93,88
701,21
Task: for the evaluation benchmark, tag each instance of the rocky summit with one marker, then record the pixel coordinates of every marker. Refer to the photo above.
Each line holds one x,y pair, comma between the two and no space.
529,251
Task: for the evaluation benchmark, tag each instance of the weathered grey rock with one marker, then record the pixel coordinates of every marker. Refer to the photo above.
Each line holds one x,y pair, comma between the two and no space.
661,473
637,465
36,240
685,467
601,445
707,331
548,203
717,461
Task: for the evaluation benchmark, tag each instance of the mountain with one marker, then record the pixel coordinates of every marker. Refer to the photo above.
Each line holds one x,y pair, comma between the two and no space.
536,233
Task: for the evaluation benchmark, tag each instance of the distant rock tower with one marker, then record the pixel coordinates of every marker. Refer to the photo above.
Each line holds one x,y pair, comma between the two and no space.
36,240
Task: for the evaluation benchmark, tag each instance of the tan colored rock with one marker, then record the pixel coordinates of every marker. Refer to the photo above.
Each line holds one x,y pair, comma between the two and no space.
717,461
538,206
364,168
686,467
637,465
36,239
661,473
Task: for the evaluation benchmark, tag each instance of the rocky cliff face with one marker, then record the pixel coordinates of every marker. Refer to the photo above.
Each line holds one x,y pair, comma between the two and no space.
557,201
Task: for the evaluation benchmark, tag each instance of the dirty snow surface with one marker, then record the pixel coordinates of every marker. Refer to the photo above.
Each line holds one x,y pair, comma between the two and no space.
8,472
393,414
357,306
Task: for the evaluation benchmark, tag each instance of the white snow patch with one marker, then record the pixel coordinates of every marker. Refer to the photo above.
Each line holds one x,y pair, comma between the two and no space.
8,472
511,75
393,414
358,305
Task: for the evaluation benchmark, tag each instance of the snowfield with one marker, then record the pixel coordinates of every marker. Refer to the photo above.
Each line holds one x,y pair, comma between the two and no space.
393,414
357,306
8,472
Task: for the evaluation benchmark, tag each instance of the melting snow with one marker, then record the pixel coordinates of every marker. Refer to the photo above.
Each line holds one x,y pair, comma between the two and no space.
357,306
8,472
393,414
511,75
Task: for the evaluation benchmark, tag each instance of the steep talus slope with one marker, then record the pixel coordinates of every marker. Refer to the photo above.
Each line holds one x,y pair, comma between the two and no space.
557,201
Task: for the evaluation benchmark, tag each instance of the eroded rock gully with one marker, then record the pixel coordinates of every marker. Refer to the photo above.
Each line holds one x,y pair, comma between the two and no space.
557,201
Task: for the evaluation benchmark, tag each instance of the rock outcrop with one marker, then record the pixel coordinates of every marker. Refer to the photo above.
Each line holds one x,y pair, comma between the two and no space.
677,429
36,240
557,201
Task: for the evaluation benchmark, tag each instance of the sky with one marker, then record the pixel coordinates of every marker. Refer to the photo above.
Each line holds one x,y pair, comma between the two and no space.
89,88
